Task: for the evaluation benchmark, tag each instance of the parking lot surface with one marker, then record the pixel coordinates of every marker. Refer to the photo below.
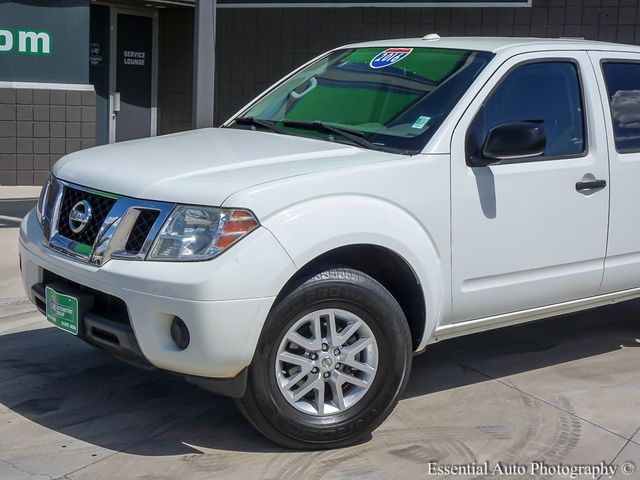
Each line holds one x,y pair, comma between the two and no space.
565,391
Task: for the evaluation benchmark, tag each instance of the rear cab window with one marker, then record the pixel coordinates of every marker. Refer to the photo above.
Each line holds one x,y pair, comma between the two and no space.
623,91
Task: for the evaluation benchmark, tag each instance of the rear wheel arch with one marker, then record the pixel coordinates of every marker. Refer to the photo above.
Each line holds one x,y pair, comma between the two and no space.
385,266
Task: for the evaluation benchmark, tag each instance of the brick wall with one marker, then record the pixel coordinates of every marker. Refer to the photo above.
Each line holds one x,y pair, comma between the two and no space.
37,127
257,47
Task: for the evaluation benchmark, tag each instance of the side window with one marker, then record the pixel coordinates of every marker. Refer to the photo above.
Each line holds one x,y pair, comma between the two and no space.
548,93
623,89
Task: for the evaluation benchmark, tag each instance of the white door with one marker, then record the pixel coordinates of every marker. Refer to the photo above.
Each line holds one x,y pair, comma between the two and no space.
619,78
525,232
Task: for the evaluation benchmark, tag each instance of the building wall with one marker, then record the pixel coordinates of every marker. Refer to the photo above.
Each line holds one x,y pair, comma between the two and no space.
37,127
175,70
256,47
39,123
62,57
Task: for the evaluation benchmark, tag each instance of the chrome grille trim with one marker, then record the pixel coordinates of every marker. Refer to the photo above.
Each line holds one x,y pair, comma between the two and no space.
111,240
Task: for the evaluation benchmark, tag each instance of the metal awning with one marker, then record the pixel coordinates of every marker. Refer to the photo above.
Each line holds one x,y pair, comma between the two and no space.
154,3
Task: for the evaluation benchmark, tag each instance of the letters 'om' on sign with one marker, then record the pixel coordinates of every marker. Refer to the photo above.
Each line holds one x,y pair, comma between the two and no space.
25,41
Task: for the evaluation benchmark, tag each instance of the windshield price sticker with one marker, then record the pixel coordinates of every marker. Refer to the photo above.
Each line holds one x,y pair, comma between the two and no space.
389,57
421,122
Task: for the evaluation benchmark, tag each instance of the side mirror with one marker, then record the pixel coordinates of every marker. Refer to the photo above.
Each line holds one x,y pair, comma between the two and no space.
513,141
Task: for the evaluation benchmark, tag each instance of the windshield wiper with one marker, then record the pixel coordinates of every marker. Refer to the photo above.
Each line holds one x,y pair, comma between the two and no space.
260,123
355,136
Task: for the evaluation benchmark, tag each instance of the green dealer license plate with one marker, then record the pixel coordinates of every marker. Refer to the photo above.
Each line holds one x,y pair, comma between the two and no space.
62,310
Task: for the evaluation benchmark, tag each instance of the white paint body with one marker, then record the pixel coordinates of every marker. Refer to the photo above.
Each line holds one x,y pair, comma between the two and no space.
537,249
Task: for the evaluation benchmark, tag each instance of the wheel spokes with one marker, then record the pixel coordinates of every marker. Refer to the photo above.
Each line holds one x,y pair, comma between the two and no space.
362,367
292,381
319,397
332,328
346,378
348,332
338,394
316,327
302,361
326,361
306,387
309,344
350,351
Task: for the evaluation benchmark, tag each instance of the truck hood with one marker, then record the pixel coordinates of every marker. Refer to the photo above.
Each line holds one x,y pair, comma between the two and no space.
206,166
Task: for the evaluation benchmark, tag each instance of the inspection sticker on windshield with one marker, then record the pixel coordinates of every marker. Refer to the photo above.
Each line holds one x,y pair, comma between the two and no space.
421,122
389,57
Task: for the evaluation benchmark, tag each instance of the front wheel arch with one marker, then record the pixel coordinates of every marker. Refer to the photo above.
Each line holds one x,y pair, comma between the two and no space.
387,267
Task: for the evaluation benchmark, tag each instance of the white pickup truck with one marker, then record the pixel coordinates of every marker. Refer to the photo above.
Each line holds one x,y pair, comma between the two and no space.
384,196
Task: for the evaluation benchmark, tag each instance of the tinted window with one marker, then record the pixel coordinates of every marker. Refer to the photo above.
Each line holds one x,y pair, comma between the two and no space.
394,97
546,93
623,88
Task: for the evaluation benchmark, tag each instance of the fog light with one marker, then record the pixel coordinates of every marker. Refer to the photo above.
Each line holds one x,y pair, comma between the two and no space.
180,333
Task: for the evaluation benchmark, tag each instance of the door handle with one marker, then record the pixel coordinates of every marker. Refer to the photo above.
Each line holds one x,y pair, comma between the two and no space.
591,185
115,103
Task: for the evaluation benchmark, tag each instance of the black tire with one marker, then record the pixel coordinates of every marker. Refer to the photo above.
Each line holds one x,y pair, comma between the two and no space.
265,406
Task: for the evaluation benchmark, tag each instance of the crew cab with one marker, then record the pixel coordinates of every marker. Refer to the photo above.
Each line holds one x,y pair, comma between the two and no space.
382,197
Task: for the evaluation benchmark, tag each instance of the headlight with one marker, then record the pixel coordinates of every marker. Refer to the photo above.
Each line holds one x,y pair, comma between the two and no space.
200,233
40,206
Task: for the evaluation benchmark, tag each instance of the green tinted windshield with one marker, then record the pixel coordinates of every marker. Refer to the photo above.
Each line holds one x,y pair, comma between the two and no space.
394,97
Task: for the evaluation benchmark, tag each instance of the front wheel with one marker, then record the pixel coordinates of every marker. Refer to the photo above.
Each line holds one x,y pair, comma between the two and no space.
332,361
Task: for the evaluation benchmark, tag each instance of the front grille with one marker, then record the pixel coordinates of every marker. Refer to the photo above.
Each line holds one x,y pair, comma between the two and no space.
141,230
100,207
132,241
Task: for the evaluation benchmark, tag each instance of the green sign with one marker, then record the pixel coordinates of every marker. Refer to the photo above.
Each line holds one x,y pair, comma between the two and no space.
62,310
25,41
44,41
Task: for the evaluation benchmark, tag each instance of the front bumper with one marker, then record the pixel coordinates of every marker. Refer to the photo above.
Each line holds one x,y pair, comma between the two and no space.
223,302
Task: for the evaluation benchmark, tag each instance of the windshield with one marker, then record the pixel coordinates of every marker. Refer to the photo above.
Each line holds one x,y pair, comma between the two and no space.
390,99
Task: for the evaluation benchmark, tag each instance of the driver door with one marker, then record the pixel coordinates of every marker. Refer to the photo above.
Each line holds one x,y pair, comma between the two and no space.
523,235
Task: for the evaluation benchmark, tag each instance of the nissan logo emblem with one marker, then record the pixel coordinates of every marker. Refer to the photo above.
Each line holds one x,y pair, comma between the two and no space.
79,216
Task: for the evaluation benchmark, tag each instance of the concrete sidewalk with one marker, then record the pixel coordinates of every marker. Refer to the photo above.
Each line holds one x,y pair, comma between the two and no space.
15,202
19,193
